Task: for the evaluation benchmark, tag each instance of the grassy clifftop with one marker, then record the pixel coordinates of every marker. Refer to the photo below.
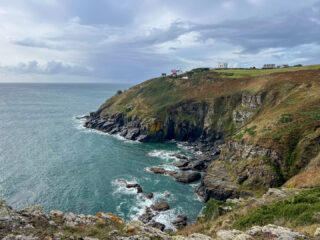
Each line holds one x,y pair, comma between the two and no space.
158,94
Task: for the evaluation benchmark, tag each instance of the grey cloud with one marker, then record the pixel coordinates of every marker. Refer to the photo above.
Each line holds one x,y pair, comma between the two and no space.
285,30
28,42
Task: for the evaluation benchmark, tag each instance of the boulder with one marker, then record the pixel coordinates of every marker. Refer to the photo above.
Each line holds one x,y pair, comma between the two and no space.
276,232
158,170
187,177
230,234
160,206
181,221
149,195
198,236
136,186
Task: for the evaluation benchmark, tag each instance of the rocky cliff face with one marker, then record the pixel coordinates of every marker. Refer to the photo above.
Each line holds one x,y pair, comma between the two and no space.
240,169
265,126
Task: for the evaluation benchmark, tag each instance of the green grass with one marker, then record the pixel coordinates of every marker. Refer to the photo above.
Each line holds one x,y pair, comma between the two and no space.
237,73
285,118
301,210
213,210
251,131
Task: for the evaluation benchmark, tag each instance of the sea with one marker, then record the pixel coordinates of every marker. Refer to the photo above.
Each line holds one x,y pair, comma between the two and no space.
48,158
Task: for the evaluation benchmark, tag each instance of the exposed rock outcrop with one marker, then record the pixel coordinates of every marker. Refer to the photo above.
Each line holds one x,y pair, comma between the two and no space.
184,177
239,163
32,223
266,232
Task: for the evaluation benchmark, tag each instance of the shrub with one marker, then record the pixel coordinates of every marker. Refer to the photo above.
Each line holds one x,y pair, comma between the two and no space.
251,131
213,209
285,118
298,211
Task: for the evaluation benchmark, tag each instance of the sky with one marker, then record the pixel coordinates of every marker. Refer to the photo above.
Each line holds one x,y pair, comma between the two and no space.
129,41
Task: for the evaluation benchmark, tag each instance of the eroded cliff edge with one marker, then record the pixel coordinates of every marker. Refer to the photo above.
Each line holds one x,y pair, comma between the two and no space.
266,126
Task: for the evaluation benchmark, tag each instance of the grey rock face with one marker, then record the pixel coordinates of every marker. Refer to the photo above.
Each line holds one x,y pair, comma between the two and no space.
8,217
251,101
218,184
241,116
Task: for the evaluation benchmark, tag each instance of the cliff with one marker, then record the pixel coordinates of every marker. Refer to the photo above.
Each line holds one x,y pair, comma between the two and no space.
265,123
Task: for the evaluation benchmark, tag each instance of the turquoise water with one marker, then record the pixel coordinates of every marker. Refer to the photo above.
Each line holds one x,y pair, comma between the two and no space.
47,158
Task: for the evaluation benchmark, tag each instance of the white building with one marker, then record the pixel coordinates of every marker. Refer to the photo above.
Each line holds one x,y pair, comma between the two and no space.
222,65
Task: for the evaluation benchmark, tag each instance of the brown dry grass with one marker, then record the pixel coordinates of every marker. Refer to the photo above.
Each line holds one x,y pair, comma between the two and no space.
306,179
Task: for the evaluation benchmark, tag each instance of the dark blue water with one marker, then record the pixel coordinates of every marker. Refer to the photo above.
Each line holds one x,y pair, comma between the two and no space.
47,158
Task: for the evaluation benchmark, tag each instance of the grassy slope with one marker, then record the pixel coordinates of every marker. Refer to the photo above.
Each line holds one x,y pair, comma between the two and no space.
299,212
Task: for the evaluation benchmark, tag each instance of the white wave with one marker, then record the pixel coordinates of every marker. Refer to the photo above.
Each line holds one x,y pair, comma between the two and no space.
166,218
79,126
163,154
121,188
170,167
194,185
142,203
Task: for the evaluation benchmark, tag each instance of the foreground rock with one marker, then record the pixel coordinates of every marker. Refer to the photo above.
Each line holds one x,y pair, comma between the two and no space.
32,223
267,232
157,225
185,177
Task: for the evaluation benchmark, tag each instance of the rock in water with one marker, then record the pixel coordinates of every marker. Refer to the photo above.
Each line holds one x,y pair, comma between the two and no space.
187,177
146,216
149,195
160,206
136,186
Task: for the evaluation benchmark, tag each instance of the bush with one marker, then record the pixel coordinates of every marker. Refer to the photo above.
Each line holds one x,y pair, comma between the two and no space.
285,118
213,209
119,92
298,211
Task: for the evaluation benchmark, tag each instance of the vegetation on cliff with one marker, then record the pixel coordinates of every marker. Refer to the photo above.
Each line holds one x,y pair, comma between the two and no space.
268,119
